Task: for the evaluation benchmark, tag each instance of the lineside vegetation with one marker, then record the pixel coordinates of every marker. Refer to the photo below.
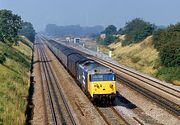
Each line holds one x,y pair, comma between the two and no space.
14,83
15,61
166,41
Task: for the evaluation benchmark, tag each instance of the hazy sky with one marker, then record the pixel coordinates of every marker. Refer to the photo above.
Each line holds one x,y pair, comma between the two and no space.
93,12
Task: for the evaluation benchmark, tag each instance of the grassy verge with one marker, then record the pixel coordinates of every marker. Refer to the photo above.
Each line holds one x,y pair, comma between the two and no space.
14,83
141,56
144,58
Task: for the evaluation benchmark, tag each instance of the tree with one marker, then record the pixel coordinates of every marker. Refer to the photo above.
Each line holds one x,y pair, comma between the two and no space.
28,31
9,25
137,30
108,40
167,42
120,31
110,30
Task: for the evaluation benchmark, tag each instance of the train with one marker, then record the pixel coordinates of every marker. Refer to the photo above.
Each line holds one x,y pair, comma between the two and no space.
97,81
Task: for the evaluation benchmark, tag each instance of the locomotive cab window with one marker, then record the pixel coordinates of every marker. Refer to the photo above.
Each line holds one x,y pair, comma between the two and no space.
102,77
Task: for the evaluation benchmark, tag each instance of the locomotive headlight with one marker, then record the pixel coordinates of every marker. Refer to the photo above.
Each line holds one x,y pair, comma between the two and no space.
111,85
97,86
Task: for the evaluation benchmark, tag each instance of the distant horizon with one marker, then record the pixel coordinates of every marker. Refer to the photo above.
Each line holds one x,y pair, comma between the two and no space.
107,25
77,30
74,25
118,27
94,12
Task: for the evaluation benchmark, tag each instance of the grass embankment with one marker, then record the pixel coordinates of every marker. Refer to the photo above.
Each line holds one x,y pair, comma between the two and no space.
143,57
14,83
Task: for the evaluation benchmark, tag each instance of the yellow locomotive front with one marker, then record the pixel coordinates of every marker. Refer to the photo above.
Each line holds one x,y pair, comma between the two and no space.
97,81
102,85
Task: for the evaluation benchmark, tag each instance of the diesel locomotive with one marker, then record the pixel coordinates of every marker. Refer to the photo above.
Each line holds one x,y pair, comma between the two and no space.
96,81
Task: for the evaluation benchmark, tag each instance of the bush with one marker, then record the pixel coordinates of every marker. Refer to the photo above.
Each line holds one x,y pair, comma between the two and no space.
108,40
168,73
167,42
170,54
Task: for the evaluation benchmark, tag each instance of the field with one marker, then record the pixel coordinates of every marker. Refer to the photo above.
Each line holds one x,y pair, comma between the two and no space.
14,82
143,57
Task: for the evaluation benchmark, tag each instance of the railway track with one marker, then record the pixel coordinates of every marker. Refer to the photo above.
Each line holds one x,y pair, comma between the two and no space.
57,109
153,82
163,94
111,116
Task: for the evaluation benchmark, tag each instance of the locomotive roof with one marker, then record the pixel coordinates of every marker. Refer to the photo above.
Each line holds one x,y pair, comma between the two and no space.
94,67
77,57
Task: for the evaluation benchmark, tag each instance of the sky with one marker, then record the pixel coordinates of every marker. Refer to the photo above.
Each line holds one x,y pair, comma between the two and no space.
93,12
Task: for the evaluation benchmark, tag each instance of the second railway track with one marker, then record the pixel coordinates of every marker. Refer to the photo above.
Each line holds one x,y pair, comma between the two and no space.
151,81
111,116
57,109
145,86
164,95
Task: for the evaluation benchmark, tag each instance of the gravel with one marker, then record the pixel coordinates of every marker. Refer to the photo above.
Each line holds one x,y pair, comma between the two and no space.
82,107
147,107
147,110
39,117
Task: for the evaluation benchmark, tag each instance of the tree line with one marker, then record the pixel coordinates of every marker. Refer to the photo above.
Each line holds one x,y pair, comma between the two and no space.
135,31
165,40
72,30
11,27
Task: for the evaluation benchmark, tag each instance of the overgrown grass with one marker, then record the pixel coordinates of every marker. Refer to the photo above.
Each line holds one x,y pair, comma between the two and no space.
14,83
143,57
24,40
